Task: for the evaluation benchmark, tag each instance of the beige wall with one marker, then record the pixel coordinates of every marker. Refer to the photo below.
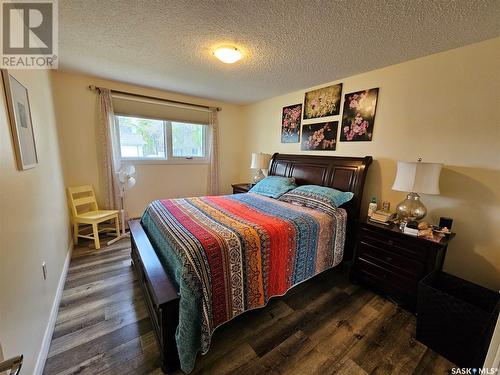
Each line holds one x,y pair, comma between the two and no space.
77,115
34,227
443,108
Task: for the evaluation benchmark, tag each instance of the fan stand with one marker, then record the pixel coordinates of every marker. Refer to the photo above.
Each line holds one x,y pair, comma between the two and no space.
122,217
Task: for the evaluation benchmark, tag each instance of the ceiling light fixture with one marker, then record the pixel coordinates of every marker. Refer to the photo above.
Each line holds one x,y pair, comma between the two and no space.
228,54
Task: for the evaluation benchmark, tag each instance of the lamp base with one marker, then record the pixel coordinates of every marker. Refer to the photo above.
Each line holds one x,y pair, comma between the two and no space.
259,176
411,209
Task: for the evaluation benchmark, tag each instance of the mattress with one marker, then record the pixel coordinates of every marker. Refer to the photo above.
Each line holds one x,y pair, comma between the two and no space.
230,254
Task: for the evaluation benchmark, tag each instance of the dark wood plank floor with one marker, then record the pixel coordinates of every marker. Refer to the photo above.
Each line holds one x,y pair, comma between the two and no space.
323,326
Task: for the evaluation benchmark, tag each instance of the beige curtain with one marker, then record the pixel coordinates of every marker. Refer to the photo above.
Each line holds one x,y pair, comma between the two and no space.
213,170
110,152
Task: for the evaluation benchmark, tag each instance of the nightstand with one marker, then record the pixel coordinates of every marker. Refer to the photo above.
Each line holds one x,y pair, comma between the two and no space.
241,188
393,263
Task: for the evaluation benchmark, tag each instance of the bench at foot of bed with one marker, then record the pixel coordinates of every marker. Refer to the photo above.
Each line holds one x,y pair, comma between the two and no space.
159,293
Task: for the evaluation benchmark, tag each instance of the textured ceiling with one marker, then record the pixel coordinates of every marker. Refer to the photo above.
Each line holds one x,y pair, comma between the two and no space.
290,44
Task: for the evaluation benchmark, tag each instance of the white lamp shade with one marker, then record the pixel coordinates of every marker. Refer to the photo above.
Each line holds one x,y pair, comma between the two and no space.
260,160
417,177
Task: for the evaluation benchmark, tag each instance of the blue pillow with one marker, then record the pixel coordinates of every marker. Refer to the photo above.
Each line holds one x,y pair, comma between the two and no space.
274,186
317,197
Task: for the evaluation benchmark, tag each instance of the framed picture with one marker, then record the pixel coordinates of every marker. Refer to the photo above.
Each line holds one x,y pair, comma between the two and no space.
290,123
319,137
358,116
323,102
18,106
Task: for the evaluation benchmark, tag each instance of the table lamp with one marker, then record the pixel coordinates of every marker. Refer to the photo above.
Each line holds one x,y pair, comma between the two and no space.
260,161
413,178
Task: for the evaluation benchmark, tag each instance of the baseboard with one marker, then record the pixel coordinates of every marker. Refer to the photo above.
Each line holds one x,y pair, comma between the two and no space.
47,337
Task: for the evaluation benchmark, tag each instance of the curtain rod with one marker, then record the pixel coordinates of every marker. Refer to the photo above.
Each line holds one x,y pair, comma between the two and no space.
95,88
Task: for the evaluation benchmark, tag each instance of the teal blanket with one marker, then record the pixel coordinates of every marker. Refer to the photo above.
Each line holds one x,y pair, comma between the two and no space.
188,335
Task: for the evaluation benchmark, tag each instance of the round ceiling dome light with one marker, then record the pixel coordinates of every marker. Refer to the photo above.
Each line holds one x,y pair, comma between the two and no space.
228,54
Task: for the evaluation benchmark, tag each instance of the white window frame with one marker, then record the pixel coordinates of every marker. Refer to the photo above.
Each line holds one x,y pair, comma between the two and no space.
169,158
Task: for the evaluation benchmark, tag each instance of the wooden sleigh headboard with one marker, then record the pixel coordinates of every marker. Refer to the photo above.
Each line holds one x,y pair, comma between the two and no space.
339,172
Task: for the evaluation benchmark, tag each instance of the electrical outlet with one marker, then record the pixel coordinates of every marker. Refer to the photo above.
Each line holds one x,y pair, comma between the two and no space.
44,270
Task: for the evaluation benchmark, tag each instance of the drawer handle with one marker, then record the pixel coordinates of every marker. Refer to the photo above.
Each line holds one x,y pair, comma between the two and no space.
390,242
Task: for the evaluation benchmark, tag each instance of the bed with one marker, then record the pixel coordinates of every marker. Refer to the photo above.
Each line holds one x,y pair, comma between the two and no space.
182,299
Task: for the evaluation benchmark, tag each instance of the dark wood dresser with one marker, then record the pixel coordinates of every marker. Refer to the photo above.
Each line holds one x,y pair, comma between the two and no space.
241,188
393,263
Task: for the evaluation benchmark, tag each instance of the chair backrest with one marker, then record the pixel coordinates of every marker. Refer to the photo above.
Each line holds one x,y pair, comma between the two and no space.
81,196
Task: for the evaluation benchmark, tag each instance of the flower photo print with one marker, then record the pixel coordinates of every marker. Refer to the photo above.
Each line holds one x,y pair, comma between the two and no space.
359,115
319,137
323,102
290,123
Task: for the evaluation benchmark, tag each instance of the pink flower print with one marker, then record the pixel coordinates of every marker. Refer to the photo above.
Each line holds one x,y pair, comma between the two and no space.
327,144
359,129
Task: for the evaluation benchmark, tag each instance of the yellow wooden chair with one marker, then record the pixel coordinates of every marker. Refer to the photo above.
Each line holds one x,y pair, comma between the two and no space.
84,210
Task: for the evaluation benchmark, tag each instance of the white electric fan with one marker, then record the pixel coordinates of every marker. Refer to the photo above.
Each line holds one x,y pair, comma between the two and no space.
126,180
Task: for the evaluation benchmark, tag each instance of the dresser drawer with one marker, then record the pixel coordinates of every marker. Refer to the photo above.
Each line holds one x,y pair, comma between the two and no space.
392,260
394,263
239,191
385,280
393,244
241,188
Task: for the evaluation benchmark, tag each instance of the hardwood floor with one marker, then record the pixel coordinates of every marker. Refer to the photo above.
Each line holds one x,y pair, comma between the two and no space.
323,326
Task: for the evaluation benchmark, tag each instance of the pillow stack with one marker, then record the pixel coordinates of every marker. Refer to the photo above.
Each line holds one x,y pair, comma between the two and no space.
274,186
317,197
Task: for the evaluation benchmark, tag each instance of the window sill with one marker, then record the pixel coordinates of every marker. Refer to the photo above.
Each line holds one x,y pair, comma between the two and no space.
176,161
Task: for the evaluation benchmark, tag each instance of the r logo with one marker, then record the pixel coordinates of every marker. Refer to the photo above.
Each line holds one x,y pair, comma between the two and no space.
27,28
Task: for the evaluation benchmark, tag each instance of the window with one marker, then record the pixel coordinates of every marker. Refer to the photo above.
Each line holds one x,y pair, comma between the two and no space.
150,139
188,140
141,138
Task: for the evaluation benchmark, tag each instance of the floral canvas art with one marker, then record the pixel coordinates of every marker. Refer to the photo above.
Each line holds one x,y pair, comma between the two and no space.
359,115
319,137
323,102
290,124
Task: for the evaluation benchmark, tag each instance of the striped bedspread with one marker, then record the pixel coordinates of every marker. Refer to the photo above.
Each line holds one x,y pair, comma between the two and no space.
230,254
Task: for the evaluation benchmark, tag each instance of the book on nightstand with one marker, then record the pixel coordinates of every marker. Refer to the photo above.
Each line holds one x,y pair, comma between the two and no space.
382,217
